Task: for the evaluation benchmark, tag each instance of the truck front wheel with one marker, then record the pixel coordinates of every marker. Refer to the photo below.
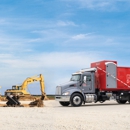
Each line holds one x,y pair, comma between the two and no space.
76,100
65,103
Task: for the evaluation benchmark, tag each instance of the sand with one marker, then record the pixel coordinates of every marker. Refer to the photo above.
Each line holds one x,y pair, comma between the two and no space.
99,116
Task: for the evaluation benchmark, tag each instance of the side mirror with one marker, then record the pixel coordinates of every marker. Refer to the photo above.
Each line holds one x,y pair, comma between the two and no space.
84,81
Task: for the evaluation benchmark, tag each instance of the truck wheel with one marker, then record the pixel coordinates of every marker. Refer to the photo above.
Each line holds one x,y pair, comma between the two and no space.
121,101
65,103
129,99
76,100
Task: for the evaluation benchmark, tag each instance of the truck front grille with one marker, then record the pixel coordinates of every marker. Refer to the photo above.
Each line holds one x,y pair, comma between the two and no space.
58,90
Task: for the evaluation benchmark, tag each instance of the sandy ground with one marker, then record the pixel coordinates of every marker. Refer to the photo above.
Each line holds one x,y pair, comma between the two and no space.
105,116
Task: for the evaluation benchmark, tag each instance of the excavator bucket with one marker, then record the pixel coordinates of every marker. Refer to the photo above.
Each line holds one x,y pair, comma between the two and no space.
38,102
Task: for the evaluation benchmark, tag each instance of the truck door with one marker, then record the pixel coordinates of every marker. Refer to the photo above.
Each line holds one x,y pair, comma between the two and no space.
87,83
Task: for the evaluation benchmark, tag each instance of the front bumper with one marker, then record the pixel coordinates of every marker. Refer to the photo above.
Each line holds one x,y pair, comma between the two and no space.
64,98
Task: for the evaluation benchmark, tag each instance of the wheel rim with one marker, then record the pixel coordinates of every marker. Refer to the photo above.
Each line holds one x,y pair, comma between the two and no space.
76,100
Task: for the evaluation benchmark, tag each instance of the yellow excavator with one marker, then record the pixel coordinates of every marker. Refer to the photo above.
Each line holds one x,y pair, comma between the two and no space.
21,90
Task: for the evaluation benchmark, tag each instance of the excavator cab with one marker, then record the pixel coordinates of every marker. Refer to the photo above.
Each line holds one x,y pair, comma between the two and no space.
15,87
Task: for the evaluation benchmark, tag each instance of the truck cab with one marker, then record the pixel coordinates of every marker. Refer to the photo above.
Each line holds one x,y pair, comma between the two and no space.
74,92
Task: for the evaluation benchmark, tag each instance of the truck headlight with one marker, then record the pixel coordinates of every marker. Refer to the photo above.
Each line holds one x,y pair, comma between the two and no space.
66,93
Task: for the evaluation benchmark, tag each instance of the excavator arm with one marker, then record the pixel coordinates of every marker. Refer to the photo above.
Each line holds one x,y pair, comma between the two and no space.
29,80
39,102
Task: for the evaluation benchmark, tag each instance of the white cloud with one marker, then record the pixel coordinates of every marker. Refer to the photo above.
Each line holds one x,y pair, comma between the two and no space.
51,35
3,21
92,40
66,23
108,5
34,40
94,3
81,36
49,60
32,24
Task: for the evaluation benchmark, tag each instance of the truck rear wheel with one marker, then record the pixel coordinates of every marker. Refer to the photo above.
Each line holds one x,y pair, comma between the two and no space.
121,101
76,100
65,103
129,99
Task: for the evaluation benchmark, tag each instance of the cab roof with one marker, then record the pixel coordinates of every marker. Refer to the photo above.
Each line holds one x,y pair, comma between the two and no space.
85,70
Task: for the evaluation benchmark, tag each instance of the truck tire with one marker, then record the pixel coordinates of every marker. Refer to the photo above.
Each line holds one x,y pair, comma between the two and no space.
121,101
129,99
65,103
76,100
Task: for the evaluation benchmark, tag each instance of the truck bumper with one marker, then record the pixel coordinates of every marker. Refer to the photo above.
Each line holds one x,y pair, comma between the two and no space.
62,98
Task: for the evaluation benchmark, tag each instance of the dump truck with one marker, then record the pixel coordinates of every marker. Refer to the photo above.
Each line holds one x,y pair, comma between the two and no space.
103,81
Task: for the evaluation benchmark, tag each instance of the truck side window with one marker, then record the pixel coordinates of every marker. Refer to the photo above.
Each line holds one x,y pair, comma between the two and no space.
88,78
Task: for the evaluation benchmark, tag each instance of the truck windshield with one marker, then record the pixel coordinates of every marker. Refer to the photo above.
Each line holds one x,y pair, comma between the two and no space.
75,77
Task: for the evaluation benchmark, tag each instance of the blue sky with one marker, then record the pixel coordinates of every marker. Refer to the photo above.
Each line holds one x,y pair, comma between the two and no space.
58,37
